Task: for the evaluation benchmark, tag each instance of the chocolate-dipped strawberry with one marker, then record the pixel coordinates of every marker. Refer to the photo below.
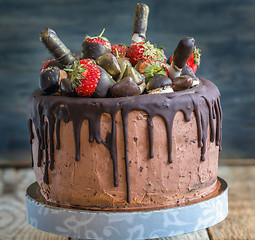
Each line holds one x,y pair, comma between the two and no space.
140,23
181,55
182,82
125,87
94,47
56,47
110,64
50,78
89,80
52,63
159,84
104,84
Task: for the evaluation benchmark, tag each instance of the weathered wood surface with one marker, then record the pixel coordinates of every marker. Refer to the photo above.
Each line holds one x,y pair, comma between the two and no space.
240,223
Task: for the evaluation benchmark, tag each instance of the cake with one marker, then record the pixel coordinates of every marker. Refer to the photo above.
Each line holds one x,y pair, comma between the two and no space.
108,133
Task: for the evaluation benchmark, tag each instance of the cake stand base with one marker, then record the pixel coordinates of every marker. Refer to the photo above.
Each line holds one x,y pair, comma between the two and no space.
84,224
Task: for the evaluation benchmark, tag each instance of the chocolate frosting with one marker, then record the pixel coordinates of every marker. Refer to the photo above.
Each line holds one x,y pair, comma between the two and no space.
203,100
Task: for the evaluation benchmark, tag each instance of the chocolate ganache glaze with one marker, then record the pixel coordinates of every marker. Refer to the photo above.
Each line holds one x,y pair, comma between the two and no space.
46,111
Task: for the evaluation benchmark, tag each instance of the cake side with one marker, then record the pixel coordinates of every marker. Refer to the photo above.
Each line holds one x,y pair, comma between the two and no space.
127,153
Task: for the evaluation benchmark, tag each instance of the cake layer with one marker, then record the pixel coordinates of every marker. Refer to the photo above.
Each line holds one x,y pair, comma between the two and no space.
131,153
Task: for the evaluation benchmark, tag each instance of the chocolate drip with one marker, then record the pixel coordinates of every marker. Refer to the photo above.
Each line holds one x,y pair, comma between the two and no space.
77,134
125,133
45,112
46,174
51,142
31,136
39,151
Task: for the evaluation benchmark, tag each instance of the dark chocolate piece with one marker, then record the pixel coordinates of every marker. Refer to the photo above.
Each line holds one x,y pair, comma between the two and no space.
93,50
56,47
140,22
66,87
131,72
125,87
158,81
183,51
182,82
188,71
104,84
123,63
49,78
110,64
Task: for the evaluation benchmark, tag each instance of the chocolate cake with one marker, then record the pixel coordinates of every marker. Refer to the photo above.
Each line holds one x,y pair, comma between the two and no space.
118,130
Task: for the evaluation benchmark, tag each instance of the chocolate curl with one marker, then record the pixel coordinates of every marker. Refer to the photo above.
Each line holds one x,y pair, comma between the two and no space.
181,55
140,23
56,47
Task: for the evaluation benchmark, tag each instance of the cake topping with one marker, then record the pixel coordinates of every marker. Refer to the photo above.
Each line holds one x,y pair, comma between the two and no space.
49,79
109,62
140,22
182,82
56,47
104,84
125,87
84,77
120,49
159,83
149,67
140,61
131,72
145,50
66,87
181,55
94,47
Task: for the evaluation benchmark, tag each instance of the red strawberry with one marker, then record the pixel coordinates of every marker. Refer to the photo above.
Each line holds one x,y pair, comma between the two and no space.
145,50
84,77
194,60
98,39
149,67
52,63
120,49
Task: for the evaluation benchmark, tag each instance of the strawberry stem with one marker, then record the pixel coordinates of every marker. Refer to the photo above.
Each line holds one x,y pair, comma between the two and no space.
101,34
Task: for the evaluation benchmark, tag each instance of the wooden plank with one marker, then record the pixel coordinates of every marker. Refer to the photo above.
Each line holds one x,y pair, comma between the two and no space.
13,224
240,223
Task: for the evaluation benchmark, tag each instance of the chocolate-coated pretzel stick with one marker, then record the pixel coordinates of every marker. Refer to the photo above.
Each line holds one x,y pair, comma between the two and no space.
56,47
140,23
181,55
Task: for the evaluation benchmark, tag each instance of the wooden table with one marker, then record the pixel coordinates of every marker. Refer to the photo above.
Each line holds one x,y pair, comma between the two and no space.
240,223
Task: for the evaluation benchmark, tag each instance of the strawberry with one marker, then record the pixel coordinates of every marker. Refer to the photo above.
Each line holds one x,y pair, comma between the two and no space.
94,47
51,63
194,60
84,77
120,49
145,50
149,67
98,39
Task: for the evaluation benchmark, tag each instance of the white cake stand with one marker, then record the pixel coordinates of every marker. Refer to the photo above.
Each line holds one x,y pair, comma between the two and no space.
84,224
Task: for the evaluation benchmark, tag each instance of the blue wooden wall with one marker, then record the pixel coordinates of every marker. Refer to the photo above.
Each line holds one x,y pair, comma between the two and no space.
224,31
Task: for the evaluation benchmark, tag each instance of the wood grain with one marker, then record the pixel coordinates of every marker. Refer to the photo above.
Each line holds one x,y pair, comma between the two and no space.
240,223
